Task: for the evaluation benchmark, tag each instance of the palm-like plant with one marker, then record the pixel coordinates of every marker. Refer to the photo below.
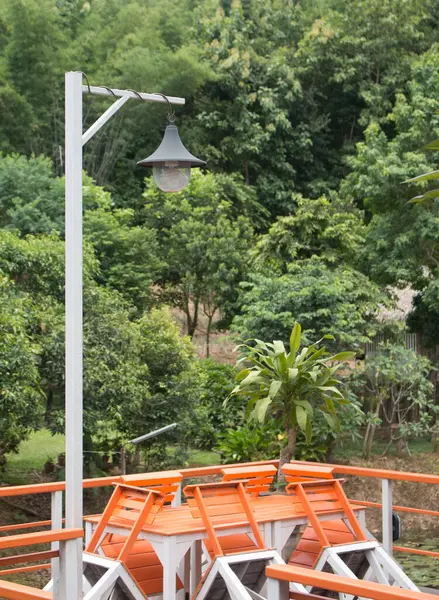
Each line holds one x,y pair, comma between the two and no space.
293,385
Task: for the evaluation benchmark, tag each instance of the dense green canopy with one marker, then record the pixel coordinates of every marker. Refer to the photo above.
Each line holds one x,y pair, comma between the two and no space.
310,115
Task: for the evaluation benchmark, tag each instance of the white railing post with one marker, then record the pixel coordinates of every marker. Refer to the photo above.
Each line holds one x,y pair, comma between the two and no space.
69,564
387,502
177,498
56,516
277,589
74,342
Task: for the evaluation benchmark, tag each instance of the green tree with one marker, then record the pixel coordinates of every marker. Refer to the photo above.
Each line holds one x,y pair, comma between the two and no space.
203,243
323,227
21,397
127,253
291,385
339,301
396,379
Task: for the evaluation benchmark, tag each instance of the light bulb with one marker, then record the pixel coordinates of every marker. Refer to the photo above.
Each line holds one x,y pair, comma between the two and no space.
170,177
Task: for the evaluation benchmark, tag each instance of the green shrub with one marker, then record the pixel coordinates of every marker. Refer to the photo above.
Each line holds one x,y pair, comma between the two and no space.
251,442
212,419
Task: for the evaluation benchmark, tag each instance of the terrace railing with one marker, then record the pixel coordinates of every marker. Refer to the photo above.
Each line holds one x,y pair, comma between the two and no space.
57,489
281,576
386,505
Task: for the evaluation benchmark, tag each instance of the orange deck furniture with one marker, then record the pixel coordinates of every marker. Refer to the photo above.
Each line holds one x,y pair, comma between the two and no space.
211,502
167,482
257,479
131,507
316,488
310,547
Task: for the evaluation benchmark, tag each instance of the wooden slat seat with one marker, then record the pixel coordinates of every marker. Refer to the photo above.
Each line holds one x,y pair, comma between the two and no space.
167,482
132,507
314,494
310,547
257,479
294,472
218,500
142,563
231,544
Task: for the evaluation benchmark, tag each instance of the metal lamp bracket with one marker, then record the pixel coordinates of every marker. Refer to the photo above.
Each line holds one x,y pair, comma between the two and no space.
123,96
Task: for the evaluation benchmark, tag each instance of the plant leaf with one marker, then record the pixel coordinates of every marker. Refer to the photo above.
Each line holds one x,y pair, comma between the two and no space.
341,356
261,407
302,417
274,388
306,405
330,388
330,420
295,336
242,375
427,196
279,347
292,374
425,177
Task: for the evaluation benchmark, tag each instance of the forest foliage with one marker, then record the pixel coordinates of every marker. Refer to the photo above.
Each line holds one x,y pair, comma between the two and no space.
310,116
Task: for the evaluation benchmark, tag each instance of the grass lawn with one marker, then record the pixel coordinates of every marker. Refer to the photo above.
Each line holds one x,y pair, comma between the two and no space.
43,446
32,456
354,450
203,458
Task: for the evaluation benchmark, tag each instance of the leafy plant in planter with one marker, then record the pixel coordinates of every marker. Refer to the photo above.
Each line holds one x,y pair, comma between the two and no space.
292,386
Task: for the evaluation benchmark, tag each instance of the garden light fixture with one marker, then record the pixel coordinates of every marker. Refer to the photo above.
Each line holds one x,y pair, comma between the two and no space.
171,163
75,140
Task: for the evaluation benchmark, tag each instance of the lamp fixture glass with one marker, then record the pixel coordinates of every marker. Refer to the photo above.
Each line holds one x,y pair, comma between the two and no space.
171,162
170,177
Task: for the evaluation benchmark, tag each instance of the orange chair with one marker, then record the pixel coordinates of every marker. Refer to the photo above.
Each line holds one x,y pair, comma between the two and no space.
317,491
257,479
130,508
222,506
230,500
167,482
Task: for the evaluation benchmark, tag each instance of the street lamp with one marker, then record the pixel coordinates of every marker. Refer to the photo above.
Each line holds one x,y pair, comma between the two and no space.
171,163
75,139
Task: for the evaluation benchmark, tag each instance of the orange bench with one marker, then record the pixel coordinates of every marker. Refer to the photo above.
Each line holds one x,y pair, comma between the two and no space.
257,479
212,500
167,482
130,507
317,490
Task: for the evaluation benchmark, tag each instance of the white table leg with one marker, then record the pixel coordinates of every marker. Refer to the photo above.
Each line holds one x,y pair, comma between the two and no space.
187,574
170,567
196,554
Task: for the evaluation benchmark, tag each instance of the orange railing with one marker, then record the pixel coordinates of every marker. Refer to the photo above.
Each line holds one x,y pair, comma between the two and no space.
56,489
59,537
386,505
280,576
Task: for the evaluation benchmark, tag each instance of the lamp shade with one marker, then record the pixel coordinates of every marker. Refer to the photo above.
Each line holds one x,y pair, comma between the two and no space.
171,150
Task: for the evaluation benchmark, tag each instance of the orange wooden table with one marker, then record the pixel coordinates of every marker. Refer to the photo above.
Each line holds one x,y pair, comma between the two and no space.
175,532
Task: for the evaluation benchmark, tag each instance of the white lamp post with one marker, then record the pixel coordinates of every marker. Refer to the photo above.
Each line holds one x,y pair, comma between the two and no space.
75,139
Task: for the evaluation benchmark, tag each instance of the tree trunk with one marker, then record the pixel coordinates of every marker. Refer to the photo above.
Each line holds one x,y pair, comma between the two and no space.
368,440
287,453
209,327
402,447
192,322
49,406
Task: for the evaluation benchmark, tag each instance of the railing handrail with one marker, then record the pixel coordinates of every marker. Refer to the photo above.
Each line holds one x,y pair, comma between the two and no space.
16,591
40,537
377,473
336,583
60,486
